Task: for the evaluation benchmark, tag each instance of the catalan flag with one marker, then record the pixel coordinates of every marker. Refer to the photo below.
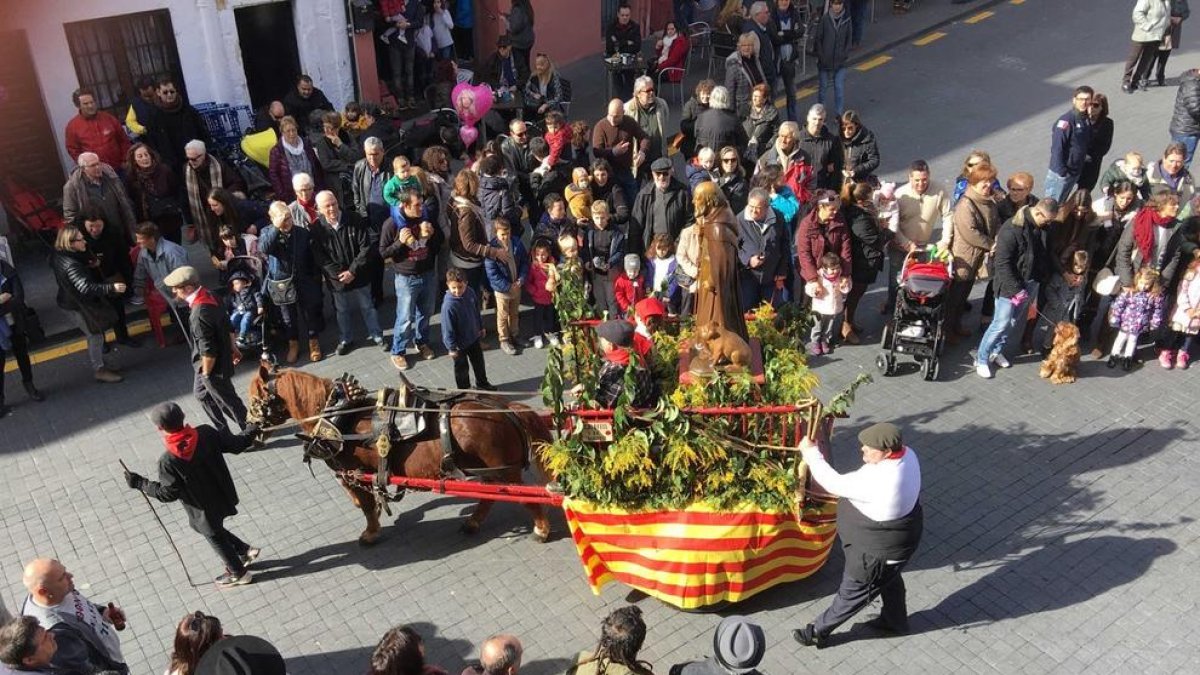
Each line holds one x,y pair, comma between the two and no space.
699,556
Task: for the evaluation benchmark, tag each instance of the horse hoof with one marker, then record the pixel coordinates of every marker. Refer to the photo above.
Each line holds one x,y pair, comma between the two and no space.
367,542
469,527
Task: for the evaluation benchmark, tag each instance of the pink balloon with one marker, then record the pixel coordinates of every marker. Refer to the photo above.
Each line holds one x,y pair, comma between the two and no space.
471,102
468,134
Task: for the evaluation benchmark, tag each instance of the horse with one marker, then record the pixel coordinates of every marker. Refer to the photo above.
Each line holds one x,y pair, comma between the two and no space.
496,444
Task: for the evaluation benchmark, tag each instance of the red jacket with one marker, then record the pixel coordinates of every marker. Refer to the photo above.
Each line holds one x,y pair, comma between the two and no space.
814,240
627,292
102,134
535,285
558,140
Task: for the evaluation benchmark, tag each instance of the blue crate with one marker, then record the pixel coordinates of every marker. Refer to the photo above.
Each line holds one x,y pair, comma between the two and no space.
226,123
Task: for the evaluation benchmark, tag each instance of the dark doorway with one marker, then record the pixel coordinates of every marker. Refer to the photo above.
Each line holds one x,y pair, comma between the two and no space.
269,55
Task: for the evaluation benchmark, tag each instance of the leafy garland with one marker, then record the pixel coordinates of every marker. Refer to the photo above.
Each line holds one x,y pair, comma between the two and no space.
667,459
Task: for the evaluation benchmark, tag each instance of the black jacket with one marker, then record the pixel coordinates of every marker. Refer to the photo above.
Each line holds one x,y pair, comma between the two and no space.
861,154
110,249
618,204
16,304
773,245
498,197
168,131
831,41
718,128
643,224
867,243
202,482
824,150
211,333
766,50
1022,254
81,289
1185,120
302,108
349,247
620,39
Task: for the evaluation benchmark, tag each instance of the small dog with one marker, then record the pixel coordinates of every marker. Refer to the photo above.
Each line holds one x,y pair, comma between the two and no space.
1061,364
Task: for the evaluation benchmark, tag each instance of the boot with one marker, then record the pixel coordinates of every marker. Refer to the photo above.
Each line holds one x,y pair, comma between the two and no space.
33,393
293,352
314,350
849,334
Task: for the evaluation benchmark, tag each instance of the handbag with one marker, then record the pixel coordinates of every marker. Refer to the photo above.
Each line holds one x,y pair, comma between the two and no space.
282,291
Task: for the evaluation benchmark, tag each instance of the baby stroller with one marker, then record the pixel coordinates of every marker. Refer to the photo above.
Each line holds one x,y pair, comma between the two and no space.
917,327
247,268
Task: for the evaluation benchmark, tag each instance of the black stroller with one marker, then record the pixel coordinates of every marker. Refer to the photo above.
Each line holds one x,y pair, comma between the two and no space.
917,327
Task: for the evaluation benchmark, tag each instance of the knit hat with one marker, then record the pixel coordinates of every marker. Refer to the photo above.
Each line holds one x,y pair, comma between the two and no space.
241,655
182,276
881,436
167,416
739,644
240,275
633,263
618,332
648,307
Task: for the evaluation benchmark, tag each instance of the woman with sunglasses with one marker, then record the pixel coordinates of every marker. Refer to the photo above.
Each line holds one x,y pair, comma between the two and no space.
731,178
543,91
85,296
1099,144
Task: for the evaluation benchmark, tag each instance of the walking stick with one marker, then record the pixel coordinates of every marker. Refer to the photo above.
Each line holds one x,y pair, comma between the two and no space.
164,529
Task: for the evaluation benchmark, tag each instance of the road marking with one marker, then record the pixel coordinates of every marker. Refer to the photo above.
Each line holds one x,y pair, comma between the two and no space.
59,351
980,17
801,94
873,63
1016,2
932,37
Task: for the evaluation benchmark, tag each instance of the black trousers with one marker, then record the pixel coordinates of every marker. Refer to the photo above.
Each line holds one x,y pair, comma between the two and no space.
1137,66
121,328
229,547
470,358
219,400
854,594
1159,62
20,350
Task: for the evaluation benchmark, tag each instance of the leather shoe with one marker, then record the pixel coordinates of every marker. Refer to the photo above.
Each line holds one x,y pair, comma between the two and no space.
343,348
33,393
809,637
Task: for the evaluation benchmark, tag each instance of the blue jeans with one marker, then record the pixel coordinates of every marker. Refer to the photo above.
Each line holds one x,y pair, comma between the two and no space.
837,78
1189,142
360,299
242,322
1003,322
859,11
787,73
414,305
1058,186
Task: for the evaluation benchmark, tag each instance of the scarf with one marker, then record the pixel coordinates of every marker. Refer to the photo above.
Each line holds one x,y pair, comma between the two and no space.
297,157
617,355
203,218
202,297
182,443
666,48
310,210
1143,231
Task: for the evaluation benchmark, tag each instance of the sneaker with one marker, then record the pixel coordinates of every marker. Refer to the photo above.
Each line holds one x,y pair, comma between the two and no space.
1112,361
983,370
241,342
538,343
250,556
1000,361
1181,361
809,637
1166,359
343,348
379,342
228,580
554,341
426,352
107,376
508,348
400,361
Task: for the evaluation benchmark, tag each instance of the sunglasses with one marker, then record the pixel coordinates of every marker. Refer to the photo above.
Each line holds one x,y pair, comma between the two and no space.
729,159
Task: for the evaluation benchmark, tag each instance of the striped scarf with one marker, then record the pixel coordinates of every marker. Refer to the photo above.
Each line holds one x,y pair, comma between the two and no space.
204,219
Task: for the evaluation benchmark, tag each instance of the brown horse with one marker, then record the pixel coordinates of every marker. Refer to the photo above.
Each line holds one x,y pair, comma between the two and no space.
483,440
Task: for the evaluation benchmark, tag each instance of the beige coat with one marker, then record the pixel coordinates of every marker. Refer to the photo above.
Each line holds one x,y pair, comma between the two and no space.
975,223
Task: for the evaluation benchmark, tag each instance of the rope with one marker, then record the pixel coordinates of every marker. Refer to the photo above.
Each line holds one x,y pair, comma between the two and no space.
389,408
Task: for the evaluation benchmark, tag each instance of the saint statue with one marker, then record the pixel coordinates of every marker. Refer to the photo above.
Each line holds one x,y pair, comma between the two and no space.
717,295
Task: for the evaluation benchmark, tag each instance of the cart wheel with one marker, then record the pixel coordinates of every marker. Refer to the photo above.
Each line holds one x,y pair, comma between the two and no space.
929,369
886,363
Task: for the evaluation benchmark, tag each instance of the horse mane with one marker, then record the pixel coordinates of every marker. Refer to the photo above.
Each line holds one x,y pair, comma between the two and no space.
304,393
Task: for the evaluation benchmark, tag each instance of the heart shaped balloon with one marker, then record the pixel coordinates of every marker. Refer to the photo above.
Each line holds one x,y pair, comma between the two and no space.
468,134
471,102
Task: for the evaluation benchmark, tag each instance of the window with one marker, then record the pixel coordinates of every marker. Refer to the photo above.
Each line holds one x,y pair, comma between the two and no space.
113,53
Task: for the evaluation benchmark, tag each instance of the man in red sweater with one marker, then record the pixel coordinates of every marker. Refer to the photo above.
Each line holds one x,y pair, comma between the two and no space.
94,130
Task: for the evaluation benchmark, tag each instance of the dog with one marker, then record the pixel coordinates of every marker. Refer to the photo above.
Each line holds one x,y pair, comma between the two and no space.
727,351
1060,366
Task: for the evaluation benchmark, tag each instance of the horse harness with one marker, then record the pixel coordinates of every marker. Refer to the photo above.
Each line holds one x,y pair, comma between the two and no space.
400,419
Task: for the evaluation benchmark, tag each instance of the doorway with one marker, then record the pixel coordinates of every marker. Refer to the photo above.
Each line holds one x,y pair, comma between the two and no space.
270,57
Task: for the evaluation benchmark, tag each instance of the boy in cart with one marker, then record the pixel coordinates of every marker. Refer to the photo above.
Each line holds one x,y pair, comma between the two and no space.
615,339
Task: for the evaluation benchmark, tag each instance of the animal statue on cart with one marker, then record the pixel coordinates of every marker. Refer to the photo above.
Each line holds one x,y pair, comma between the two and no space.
453,436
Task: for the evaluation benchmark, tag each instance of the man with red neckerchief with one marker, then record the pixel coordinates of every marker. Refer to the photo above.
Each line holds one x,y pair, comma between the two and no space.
193,471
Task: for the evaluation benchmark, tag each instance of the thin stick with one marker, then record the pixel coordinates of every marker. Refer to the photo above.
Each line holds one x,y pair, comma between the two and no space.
165,530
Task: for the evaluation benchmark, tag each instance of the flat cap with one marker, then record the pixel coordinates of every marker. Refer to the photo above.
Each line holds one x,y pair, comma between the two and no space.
660,165
167,415
182,276
881,436
618,332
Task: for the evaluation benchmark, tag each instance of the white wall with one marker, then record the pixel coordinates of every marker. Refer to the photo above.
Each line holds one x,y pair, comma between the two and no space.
205,36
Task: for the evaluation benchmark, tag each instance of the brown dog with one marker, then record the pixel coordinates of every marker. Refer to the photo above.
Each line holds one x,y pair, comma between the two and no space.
1060,366
726,349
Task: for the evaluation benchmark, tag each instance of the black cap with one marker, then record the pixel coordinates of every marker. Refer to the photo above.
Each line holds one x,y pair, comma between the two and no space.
242,655
167,416
660,165
618,332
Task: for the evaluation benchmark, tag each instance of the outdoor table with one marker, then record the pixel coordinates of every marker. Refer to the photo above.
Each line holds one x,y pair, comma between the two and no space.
614,64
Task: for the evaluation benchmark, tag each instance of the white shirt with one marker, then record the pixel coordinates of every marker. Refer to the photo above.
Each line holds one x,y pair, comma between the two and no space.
884,491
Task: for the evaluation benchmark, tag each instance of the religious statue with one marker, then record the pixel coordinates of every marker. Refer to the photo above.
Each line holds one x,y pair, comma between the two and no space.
718,298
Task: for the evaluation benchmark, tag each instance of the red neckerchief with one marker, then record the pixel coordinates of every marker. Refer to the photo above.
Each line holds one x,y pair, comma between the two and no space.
1143,231
897,454
642,345
182,443
310,210
617,355
203,297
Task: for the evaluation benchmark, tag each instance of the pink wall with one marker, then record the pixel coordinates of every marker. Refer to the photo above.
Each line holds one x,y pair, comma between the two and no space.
567,30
